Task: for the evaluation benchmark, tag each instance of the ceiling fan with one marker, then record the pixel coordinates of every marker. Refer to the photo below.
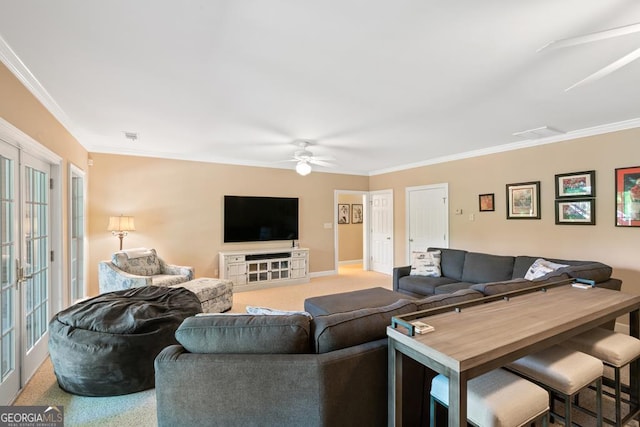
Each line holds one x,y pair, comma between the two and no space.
305,158
601,35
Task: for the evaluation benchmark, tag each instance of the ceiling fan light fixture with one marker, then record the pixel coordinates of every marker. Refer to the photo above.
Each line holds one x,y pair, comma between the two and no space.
303,168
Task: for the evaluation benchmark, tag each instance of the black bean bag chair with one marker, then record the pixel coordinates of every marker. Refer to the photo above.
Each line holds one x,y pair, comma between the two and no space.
105,346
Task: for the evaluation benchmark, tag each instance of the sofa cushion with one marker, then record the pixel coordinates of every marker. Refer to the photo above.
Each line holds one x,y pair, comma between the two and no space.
145,265
482,268
425,264
245,333
595,271
452,287
451,262
422,285
342,330
168,279
542,267
493,288
521,265
446,299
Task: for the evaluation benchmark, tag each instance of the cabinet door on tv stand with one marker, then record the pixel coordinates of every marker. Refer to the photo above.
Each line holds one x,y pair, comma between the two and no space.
237,273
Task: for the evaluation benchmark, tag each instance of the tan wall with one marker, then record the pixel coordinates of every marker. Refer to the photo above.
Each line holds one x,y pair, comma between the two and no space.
177,207
350,235
20,108
492,232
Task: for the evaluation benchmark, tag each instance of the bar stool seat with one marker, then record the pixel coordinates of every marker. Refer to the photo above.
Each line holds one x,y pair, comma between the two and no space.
496,399
564,372
615,350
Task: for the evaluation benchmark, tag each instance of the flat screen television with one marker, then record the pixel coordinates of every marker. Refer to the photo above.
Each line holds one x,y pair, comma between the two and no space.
256,219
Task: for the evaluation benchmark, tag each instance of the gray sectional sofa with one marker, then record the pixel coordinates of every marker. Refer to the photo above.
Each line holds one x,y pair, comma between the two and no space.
491,274
289,370
329,367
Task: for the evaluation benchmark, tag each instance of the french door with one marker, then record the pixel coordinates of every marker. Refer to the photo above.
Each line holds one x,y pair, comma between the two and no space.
24,268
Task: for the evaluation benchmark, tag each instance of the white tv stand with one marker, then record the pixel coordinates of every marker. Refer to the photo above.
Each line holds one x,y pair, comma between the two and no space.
264,268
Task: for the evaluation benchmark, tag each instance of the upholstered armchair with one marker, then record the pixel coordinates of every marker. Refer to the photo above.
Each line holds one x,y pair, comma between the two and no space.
134,268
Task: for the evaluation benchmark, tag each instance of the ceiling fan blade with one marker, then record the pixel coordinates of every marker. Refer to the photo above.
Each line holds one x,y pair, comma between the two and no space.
588,38
322,163
616,65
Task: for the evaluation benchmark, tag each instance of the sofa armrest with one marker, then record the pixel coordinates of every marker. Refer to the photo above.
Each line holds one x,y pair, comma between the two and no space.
399,272
177,269
111,278
343,387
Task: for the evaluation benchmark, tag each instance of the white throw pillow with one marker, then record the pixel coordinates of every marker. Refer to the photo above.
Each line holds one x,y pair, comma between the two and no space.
425,264
274,312
540,267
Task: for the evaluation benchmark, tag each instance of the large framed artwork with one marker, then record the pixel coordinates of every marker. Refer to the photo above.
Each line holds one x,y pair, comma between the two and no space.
523,200
576,211
628,196
576,185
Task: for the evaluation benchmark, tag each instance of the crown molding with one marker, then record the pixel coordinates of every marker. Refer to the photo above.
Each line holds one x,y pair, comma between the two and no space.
24,75
580,133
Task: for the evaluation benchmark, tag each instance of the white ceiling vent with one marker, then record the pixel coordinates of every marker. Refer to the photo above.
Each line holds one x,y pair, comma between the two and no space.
538,133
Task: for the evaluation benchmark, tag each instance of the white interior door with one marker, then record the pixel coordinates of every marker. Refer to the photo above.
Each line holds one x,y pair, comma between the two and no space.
381,215
10,324
427,218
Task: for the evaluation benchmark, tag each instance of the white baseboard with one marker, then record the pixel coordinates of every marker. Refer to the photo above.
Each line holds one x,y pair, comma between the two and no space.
350,262
323,273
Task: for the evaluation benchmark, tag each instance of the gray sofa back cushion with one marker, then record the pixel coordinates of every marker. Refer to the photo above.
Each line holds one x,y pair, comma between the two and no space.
482,268
595,271
446,299
451,262
245,333
521,265
342,330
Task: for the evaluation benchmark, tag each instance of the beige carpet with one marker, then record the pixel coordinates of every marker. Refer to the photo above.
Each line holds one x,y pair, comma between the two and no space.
139,409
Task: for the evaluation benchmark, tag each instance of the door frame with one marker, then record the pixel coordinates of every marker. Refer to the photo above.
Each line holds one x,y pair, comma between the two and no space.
24,143
407,232
365,227
75,170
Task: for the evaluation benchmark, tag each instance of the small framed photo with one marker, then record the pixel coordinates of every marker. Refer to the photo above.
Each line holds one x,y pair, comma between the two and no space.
628,197
576,185
356,214
576,211
487,202
523,200
344,213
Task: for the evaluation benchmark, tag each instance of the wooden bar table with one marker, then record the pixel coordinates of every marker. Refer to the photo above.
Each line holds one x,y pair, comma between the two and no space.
473,338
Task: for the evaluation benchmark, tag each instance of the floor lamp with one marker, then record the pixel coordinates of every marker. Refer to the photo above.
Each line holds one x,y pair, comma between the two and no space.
120,226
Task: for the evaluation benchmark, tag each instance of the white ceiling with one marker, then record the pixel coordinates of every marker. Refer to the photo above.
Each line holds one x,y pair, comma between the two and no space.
378,84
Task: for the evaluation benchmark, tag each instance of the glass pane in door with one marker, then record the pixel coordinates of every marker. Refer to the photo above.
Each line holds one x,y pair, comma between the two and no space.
7,292
36,261
76,269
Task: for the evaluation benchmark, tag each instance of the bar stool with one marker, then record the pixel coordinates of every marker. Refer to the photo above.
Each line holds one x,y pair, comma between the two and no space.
563,372
496,399
615,350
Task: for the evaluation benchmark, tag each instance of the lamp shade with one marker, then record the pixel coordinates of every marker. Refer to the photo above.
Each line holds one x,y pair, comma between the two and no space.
121,223
303,168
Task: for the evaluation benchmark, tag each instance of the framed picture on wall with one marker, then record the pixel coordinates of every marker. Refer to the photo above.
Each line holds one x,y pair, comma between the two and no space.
628,197
343,213
523,200
576,211
356,214
576,184
486,202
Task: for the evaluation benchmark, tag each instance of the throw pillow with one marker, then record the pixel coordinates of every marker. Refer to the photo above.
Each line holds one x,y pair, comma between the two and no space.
274,312
425,264
541,267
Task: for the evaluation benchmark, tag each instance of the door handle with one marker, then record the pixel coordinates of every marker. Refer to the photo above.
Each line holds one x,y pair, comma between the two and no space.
20,276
